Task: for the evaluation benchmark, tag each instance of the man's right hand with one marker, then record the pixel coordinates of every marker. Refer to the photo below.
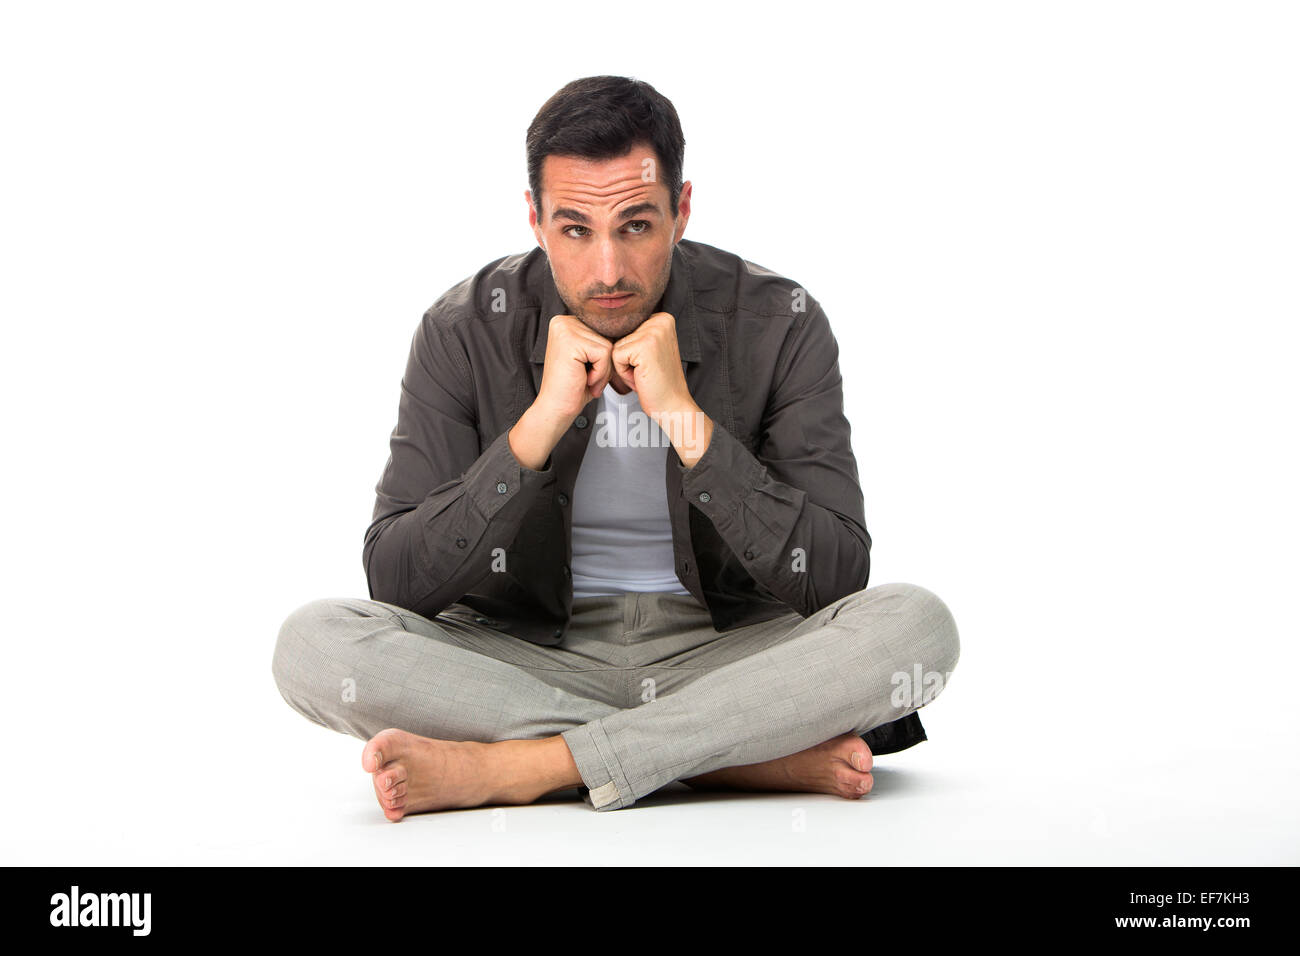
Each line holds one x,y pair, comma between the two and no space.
567,386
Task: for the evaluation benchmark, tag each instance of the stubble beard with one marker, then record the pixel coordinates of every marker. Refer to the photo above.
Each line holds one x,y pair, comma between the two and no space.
615,327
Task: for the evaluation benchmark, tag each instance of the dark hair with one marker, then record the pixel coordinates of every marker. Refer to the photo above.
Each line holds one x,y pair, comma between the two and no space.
603,117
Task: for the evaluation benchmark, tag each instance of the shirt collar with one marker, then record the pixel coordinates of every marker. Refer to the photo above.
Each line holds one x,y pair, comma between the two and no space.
678,301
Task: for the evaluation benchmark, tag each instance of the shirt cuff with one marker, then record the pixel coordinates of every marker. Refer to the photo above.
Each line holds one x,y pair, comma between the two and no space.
497,478
724,476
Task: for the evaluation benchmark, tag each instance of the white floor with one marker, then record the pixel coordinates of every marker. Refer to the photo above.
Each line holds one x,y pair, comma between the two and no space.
295,794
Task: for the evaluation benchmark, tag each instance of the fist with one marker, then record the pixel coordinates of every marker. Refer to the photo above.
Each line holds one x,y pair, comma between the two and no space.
649,361
578,364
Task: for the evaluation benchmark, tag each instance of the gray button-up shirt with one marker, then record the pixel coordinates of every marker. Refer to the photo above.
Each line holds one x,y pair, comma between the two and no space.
769,519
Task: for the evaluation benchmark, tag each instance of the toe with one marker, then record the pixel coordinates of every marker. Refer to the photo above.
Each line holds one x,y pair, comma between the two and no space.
855,752
389,800
851,783
397,794
381,748
865,785
391,776
389,796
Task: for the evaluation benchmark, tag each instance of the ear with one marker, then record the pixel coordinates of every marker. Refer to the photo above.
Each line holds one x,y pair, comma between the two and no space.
532,218
683,211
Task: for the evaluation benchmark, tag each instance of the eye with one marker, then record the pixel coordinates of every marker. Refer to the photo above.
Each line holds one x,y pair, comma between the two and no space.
644,225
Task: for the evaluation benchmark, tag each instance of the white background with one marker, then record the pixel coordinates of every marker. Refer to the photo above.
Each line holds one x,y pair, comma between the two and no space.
1057,244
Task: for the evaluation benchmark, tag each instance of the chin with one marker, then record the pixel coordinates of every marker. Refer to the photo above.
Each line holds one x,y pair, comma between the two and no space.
615,326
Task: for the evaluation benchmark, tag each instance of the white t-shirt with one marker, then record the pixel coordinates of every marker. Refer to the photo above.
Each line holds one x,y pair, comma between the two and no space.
622,537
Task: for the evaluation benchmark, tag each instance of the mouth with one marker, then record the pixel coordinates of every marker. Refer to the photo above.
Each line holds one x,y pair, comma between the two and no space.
612,301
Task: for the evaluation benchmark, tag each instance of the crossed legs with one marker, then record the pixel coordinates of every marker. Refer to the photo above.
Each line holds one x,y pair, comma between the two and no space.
448,724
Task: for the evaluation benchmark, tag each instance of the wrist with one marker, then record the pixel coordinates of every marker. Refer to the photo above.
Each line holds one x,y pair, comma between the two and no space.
535,435
689,429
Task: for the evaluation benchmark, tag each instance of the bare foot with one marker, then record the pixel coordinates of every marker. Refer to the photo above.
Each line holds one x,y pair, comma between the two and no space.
414,774
840,766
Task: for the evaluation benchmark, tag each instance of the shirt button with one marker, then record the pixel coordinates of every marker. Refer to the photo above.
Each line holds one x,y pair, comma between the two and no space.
749,555
502,487
567,572
704,496
563,498
558,632
461,542
580,421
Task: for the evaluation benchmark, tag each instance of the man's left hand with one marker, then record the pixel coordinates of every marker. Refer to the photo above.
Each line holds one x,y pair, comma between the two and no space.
648,360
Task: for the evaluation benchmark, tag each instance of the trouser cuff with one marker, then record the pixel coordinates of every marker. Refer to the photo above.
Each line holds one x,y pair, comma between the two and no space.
605,786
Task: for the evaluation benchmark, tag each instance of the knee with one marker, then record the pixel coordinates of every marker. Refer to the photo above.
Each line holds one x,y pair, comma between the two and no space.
324,655
313,640
936,643
924,635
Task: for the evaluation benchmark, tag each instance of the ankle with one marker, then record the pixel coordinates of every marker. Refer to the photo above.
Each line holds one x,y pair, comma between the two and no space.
523,770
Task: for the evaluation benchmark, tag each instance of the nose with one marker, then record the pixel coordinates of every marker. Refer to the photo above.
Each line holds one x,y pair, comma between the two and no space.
609,264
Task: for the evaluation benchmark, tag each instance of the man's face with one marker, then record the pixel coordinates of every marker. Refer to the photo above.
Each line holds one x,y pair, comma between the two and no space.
608,232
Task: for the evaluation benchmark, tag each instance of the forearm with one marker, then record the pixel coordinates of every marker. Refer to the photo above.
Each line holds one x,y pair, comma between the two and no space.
805,554
535,435
689,430
425,558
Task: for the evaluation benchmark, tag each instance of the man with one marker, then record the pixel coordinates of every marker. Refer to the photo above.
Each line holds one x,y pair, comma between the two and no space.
619,540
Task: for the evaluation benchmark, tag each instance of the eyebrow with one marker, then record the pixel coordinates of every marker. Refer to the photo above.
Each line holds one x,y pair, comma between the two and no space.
564,212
